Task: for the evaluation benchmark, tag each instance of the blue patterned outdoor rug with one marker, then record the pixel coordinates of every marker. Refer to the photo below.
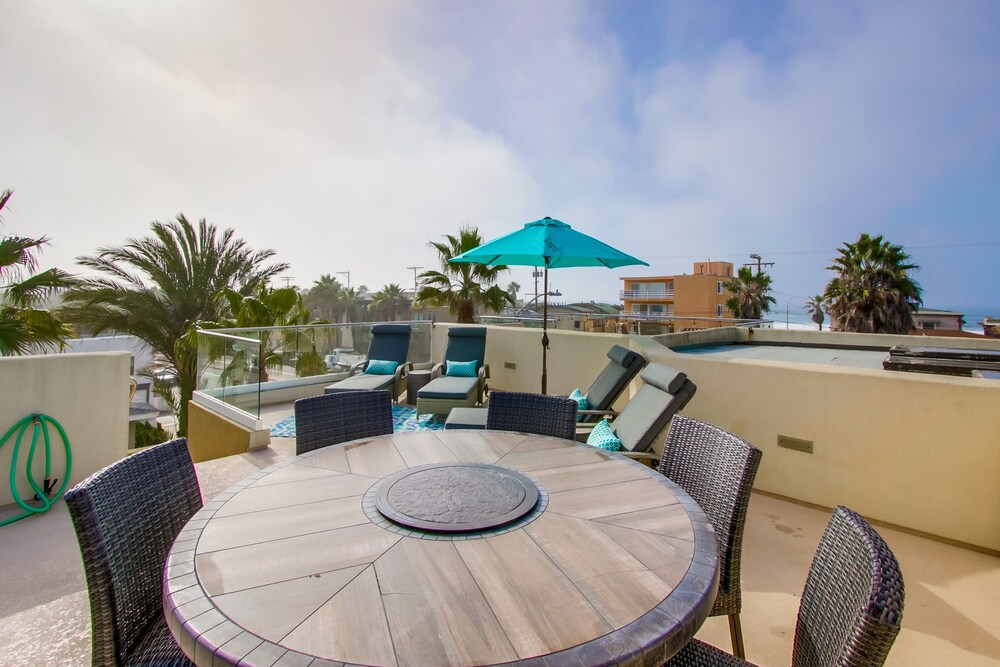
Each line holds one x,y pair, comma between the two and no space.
404,420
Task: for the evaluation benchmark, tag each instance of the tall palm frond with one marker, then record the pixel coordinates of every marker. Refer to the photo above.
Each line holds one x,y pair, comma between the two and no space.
25,326
461,287
750,294
158,287
873,291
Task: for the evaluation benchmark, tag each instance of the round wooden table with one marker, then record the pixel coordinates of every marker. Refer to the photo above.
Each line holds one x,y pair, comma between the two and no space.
297,565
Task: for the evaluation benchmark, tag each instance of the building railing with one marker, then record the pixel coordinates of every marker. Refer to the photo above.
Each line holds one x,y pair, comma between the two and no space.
650,295
240,369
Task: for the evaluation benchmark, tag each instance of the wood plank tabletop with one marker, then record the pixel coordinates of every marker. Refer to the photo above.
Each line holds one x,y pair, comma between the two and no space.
294,566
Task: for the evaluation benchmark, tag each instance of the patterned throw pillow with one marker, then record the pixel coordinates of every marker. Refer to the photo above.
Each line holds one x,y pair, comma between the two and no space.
602,436
461,369
582,402
381,367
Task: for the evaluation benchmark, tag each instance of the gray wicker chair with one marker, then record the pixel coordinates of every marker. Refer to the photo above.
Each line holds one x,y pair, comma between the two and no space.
126,517
532,413
717,469
321,421
851,608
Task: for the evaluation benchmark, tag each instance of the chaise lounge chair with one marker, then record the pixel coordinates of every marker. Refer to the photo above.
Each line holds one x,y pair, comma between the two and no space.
390,343
460,381
665,391
623,365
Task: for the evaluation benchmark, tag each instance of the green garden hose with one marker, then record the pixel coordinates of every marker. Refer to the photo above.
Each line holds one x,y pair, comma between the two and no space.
43,492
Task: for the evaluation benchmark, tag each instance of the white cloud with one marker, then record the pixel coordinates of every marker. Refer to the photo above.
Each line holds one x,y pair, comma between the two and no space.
346,135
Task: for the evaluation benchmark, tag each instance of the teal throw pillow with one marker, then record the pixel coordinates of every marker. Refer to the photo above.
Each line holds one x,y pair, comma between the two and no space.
461,369
602,436
381,367
582,402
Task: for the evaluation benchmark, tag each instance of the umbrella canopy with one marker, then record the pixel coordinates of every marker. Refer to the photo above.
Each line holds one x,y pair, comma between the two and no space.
553,244
550,243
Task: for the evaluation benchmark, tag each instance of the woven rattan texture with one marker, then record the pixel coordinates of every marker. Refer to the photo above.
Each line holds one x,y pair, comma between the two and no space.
717,469
532,413
852,603
321,421
126,517
851,606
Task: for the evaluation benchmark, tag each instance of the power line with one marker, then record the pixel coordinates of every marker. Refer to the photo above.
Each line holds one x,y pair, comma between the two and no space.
825,252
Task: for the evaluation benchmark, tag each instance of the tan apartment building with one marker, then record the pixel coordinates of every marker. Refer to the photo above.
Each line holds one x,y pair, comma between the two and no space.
692,300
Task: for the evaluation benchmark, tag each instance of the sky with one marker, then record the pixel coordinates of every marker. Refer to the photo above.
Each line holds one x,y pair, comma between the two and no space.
347,136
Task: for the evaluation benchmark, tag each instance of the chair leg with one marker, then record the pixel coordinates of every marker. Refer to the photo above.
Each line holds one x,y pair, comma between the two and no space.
736,633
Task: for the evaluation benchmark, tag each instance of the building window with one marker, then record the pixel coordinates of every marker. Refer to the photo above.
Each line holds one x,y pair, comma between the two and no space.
928,325
670,286
718,310
718,287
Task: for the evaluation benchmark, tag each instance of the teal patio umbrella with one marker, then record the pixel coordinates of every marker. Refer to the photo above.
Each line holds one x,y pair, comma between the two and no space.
554,245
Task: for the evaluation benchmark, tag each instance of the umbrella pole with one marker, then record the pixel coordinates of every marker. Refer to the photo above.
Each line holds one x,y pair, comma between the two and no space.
545,327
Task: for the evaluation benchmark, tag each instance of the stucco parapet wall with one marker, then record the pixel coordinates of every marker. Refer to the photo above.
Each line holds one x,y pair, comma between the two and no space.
915,450
87,393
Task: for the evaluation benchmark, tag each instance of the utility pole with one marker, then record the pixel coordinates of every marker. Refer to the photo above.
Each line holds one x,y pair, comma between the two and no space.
288,280
536,274
756,261
348,274
415,269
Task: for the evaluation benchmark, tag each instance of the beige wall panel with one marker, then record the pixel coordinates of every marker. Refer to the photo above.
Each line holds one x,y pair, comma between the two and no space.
88,394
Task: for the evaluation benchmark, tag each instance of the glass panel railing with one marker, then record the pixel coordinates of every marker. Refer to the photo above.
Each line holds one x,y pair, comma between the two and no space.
229,369
240,366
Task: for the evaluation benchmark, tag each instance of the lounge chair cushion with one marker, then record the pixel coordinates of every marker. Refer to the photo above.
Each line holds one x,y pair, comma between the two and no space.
622,367
361,381
646,410
664,377
602,436
461,369
449,387
381,367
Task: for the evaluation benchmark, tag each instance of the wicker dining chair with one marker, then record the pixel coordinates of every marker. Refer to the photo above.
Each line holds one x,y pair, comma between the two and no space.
717,469
851,607
126,517
532,413
321,421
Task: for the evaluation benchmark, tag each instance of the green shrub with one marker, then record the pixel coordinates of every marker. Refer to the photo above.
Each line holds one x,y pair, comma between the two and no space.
149,434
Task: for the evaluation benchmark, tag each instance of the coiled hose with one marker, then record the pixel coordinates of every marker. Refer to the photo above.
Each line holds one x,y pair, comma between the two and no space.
42,492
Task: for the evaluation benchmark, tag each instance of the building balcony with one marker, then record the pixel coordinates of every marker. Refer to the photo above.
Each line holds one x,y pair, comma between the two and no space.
917,454
644,295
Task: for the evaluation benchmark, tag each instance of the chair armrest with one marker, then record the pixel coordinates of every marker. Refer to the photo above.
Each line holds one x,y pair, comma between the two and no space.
402,369
437,370
356,366
484,371
594,413
649,458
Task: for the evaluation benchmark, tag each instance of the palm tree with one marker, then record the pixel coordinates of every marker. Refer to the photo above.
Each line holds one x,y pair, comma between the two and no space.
388,301
324,298
462,286
750,294
814,307
265,307
513,289
872,291
353,303
158,287
25,327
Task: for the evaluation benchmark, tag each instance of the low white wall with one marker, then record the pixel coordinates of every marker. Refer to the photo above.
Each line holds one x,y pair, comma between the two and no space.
86,393
916,450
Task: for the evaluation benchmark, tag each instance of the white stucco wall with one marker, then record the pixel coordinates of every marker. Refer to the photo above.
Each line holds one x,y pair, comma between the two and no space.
86,393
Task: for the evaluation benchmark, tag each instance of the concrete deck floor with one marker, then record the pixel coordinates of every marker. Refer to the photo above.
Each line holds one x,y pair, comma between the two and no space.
951,617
